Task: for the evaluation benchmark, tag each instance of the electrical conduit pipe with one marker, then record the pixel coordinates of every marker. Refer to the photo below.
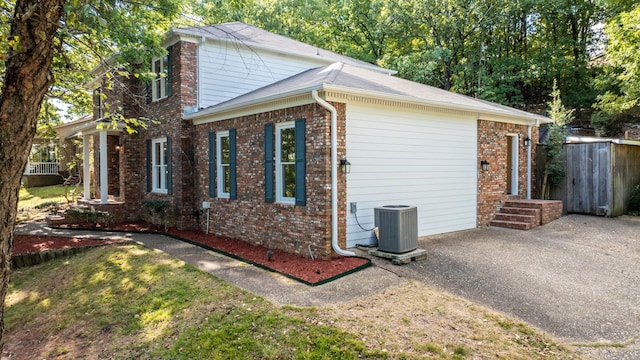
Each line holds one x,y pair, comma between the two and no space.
334,174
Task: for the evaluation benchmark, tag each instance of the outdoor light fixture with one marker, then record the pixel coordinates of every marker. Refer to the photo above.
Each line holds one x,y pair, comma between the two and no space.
345,165
527,141
485,165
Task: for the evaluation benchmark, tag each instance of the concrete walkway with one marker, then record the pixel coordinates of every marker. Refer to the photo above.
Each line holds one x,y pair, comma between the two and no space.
275,287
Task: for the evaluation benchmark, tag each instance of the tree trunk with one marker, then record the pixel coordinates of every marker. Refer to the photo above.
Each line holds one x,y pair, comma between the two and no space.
26,80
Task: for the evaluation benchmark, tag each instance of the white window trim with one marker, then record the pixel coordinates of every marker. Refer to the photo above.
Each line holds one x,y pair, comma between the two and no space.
159,79
219,165
159,165
279,175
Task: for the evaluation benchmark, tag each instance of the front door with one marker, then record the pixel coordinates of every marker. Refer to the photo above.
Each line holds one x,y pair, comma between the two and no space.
512,165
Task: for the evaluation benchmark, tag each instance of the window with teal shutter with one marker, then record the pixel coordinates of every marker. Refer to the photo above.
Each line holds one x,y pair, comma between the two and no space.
233,185
300,173
290,163
149,166
169,161
212,164
268,163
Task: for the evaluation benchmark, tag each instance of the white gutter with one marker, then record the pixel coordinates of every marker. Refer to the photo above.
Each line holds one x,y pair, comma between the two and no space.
334,174
529,158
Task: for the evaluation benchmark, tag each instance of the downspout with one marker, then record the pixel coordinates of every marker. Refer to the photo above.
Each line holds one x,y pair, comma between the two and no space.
334,174
529,158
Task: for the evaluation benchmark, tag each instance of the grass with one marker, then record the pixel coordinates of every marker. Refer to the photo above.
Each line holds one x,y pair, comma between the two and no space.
131,302
31,201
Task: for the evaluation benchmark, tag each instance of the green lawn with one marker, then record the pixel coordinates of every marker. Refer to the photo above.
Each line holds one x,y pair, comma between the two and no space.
131,302
37,201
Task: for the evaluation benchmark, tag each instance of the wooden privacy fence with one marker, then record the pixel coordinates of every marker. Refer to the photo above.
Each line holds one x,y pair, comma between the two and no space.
600,175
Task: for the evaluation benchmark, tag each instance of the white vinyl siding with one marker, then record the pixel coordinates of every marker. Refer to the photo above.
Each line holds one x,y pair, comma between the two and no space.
227,71
403,157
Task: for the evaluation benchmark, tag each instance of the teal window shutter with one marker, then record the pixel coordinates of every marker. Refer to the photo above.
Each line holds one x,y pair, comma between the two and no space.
233,185
169,85
149,165
169,161
301,197
268,163
212,164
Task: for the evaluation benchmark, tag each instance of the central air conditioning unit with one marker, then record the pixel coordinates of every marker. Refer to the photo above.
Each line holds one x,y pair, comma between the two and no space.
397,228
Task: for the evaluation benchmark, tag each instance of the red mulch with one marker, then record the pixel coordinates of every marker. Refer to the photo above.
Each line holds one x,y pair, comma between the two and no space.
313,272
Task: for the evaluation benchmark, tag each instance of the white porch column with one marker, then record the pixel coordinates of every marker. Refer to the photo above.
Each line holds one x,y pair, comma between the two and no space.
104,172
86,168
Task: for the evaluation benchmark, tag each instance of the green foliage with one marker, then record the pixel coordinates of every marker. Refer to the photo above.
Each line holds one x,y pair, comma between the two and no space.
634,202
50,206
95,217
158,212
554,171
619,82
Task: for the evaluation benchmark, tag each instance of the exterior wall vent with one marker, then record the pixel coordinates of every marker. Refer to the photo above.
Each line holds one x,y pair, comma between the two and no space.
398,228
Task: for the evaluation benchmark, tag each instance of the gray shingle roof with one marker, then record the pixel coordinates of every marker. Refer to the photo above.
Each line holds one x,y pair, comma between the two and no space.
348,78
249,35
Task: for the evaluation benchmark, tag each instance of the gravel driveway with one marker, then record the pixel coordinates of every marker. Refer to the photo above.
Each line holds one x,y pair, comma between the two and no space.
578,278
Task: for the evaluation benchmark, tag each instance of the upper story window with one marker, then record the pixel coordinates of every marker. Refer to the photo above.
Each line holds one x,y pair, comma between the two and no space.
285,162
161,85
98,102
224,162
159,167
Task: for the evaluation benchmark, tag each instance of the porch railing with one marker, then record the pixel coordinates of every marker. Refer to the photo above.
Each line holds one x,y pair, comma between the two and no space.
42,168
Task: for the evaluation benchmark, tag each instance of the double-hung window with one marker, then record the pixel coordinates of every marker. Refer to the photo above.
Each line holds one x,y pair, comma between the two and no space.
285,163
224,164
161,86
159,167
289,163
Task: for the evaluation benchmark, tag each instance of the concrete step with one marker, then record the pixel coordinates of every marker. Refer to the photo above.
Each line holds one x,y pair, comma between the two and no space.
511,224
531,219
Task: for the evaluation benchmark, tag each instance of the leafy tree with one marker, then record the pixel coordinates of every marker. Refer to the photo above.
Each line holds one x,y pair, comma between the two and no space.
620,81
554,172
46,48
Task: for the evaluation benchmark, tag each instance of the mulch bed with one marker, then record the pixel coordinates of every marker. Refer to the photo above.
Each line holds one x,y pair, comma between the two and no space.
309,271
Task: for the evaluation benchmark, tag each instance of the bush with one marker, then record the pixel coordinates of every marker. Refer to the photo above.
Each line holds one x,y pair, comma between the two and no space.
50,207
91,216
634,202
157,212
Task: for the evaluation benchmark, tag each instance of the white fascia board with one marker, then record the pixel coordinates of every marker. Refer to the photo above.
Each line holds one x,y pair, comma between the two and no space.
590,139
270,103
278,101
516,116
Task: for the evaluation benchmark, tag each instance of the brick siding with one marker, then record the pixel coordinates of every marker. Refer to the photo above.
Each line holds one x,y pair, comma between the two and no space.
492,184
277,226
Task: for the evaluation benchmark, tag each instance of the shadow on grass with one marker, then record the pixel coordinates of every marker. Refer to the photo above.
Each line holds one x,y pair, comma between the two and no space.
130,302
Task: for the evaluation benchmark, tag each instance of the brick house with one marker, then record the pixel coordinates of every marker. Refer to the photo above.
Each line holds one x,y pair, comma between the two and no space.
264,139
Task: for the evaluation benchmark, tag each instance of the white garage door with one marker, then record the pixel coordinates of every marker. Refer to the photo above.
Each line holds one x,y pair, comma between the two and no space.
406,157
